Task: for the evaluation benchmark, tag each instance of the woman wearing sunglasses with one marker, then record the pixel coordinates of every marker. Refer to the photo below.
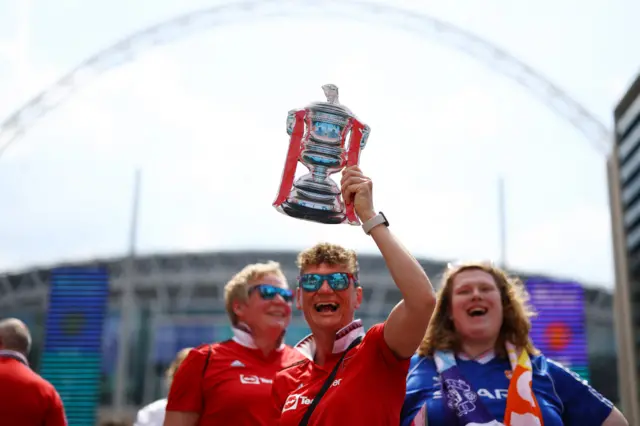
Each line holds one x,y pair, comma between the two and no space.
349,377
478,366
230,382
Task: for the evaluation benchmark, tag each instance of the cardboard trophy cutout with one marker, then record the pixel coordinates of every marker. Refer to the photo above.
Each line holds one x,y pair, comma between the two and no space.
318,134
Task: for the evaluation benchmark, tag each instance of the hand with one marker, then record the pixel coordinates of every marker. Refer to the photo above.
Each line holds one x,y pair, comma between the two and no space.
358,189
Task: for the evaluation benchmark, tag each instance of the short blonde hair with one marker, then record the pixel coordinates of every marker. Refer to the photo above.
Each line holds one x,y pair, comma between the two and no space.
516,323
237,289
328,254
175,364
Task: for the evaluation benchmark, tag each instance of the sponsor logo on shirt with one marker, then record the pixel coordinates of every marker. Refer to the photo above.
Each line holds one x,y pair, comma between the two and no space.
254,380
295,400
484,393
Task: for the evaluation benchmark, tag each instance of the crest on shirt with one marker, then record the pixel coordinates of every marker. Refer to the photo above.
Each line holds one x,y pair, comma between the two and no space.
508,374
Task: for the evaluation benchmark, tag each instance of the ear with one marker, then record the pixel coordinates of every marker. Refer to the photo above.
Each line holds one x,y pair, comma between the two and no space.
298,298
358,296
238,308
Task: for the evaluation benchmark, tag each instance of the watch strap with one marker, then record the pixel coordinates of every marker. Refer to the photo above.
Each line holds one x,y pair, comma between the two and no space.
378,219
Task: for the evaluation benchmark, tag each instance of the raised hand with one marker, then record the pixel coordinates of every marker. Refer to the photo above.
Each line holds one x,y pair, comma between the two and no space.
358,188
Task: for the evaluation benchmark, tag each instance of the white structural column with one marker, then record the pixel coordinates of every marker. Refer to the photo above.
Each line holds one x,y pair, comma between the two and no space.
627,376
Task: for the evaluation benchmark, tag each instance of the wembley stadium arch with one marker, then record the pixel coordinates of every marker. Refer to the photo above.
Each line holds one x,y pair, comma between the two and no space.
127,49
187,289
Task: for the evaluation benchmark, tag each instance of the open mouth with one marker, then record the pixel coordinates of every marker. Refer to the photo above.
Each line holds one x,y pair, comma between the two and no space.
326,307
477,312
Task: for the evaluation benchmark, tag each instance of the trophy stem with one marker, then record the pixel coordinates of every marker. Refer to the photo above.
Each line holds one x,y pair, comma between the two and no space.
319,174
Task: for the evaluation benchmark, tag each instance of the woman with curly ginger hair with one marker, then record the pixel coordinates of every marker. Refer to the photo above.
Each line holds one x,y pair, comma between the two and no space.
478,366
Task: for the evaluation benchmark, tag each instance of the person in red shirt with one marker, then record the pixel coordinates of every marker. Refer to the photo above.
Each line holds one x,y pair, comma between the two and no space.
230,382
26,399
350,377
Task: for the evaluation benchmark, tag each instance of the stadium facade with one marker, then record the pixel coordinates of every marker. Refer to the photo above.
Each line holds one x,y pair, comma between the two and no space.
179,302
624,182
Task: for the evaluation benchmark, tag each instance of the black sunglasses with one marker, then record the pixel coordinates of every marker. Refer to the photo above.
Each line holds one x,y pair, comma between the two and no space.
338,281
268,292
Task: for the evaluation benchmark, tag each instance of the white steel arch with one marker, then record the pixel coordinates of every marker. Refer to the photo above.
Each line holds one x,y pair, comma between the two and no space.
165,32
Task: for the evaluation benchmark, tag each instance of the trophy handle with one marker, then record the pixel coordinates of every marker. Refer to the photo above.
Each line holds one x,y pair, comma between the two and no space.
356,142
293,155
356,138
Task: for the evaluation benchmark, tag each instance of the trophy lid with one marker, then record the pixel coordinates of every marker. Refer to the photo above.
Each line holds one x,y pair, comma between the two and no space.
332,105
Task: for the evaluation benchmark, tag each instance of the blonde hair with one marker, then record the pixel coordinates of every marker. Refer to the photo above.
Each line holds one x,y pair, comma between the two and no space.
237,289
175,364
516,323
328,254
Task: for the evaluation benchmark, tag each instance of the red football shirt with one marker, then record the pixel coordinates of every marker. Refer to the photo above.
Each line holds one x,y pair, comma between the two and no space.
369,388
235,387
26,399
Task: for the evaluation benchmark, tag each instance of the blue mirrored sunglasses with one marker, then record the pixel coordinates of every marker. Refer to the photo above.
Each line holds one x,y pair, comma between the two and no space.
268,292
338,281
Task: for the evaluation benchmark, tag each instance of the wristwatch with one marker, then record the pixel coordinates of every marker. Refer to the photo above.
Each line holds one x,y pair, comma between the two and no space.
379,219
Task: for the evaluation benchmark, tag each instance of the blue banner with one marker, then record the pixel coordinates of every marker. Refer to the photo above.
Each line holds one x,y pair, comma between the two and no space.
72,355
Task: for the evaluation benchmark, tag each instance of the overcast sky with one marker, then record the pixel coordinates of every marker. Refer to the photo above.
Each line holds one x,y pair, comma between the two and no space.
204,118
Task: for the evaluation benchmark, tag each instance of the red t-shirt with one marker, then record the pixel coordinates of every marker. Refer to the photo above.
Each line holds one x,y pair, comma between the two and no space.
369,388
235,388
26,399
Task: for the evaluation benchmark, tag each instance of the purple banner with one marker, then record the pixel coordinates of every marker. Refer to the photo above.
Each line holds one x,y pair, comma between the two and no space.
559,329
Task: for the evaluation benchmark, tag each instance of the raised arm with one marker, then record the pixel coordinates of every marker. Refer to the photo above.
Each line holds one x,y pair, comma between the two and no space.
408,321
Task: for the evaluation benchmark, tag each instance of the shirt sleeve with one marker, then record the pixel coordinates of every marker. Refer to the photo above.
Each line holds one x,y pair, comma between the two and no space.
186,387
375,336
55,414
415,397
583,405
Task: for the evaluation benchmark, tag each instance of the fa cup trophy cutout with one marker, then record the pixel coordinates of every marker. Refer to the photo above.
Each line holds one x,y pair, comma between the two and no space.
318,135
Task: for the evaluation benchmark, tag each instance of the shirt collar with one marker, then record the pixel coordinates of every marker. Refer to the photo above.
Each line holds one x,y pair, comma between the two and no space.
242,336
5,353
344,337
482,359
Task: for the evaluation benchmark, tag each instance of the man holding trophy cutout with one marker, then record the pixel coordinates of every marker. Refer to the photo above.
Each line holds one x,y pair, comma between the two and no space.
348,376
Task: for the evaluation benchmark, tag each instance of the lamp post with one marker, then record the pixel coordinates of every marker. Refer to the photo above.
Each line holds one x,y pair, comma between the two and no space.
127,306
